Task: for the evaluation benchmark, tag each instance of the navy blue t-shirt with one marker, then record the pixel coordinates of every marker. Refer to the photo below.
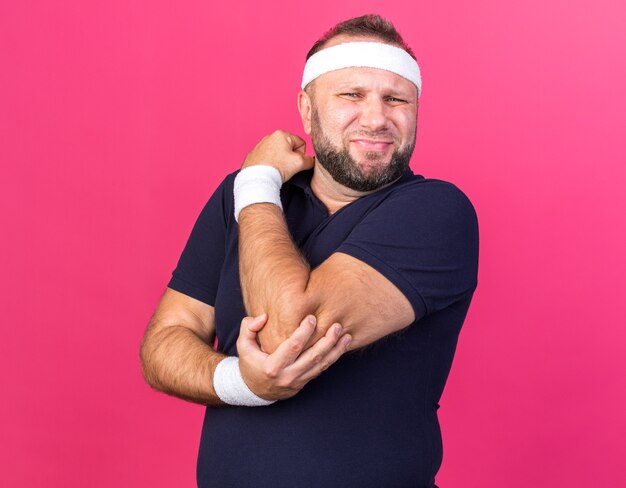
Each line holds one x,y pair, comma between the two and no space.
370,420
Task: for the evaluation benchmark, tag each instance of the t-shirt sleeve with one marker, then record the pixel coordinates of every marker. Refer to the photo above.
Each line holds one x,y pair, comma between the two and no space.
198,270
423,238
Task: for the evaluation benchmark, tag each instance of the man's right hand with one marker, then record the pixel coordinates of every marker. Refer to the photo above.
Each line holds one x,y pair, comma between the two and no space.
284,373
284,151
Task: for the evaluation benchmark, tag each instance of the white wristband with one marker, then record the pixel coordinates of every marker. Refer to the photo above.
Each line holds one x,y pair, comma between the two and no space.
230,386
257,184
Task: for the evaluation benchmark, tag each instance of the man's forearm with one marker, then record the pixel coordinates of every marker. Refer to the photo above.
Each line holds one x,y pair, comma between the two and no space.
277,280
178,362
274,275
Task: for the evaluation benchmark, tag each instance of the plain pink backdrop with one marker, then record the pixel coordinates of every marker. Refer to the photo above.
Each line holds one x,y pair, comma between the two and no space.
119,118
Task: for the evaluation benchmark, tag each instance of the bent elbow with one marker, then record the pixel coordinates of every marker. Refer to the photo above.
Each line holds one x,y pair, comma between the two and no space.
284,315
146,359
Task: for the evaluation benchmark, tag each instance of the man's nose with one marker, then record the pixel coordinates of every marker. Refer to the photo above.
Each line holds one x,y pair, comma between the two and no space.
374,114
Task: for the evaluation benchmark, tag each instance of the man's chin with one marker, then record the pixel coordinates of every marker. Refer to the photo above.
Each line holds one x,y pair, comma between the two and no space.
372,162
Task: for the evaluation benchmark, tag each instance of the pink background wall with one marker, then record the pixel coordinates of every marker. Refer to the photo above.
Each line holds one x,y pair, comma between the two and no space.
117,121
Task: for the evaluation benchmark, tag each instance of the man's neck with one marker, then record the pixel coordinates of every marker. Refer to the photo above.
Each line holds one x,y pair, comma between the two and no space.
331,193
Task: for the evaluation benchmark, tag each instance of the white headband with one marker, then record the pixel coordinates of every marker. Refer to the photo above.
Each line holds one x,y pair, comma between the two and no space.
363,55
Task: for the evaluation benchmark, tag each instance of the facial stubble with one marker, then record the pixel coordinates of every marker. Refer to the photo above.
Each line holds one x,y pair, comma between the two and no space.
345,170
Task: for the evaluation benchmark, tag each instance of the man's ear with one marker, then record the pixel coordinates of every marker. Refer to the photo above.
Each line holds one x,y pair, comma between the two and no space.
305,107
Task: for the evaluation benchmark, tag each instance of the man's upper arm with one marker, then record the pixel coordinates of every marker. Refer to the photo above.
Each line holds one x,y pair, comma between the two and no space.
346,290
191,292
177,309
197,273
415,254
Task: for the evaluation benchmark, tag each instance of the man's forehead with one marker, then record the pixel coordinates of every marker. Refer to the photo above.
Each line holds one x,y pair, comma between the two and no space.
365,79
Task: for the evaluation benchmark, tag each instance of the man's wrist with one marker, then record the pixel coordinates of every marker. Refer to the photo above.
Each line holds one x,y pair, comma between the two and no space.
231,388
257,184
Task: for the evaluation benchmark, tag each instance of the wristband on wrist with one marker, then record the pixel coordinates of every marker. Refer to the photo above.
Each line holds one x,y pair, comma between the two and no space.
231,388
257,184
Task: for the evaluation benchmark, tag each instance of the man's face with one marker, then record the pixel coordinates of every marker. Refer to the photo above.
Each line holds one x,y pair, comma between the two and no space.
362,124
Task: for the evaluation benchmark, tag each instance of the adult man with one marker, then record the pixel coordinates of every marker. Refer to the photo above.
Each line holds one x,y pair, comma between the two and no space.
354,251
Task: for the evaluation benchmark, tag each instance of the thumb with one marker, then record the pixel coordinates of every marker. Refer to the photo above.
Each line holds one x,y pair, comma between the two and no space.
246,342
250,326
297,143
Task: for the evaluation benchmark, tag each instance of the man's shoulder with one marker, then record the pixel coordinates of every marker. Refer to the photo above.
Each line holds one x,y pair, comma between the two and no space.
428,193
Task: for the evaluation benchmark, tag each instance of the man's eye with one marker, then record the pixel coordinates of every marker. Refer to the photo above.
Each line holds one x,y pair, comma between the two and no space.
395,100
350,95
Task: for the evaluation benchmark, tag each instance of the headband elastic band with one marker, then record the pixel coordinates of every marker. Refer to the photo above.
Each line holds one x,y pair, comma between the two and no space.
363,55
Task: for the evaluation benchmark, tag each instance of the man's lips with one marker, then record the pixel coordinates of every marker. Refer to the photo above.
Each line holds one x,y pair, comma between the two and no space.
371,144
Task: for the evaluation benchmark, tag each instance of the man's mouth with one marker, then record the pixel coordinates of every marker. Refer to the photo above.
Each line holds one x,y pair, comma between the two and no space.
374,145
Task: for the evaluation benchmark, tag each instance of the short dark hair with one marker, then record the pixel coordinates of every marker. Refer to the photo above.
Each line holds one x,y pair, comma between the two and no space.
371,25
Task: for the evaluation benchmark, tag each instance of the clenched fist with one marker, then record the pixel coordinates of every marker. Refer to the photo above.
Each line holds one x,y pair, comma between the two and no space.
283,151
